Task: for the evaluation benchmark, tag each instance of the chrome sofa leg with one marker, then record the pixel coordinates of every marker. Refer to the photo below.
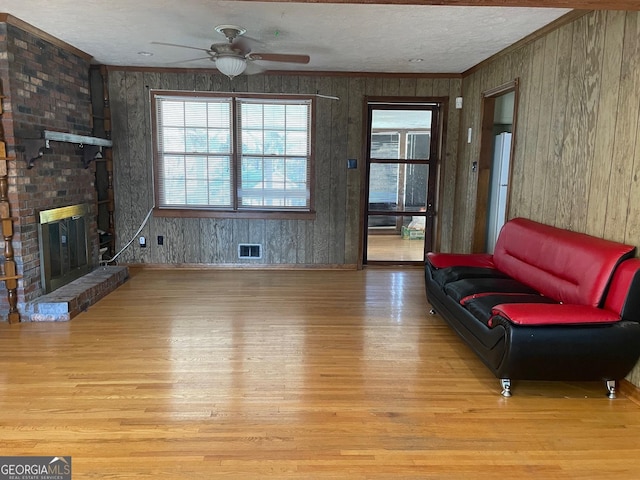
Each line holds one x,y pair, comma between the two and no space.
611,388
432,311
505,383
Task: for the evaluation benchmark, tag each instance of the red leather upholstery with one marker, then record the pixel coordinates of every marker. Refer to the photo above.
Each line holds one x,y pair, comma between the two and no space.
570,267
481,306
444,260
619,288
553,314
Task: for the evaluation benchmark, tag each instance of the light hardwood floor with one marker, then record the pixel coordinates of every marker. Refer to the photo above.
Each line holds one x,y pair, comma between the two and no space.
291,374
394,248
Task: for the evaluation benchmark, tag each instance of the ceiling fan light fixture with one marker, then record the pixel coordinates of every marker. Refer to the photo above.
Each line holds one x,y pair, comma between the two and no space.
231,65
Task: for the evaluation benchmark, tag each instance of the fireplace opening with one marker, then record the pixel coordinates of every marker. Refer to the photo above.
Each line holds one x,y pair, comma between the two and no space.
64,245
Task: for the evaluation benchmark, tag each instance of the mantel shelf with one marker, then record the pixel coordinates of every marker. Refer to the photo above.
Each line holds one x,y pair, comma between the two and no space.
77,139
91,146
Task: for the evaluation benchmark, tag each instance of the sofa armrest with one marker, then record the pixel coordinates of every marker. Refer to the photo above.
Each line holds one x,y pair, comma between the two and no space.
551,314
444,260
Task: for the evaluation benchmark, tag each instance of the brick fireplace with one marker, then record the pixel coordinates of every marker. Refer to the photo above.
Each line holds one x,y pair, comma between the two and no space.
46,87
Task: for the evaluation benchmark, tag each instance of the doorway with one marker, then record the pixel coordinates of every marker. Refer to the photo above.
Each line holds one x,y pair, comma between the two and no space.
401,159
497,144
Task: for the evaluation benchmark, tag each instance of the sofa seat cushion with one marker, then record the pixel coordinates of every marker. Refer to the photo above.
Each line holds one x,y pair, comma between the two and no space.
470,286
446,275
481,306
557,314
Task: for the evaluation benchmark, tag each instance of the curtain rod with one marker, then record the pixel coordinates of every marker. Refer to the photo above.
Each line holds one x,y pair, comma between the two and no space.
330,97
317,94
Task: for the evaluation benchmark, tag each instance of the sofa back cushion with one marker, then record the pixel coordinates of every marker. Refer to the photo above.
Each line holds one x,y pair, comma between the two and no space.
567,266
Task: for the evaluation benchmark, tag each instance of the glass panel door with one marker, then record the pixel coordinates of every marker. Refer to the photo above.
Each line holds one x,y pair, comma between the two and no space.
400,181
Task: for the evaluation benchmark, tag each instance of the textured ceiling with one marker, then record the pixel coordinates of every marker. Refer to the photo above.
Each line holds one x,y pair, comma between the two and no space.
338,37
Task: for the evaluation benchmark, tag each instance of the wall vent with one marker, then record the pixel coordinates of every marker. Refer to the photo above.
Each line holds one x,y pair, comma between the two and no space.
249,250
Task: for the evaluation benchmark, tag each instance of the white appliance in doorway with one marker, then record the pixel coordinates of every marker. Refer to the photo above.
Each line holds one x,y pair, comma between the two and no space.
497,211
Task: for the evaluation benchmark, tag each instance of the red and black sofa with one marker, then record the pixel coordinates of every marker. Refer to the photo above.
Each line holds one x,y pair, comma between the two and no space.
549,304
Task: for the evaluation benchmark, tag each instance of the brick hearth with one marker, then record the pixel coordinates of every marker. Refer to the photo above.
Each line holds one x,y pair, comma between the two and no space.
68,301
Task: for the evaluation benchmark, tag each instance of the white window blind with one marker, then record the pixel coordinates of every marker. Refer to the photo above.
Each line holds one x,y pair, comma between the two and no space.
197,166
275,148
194,152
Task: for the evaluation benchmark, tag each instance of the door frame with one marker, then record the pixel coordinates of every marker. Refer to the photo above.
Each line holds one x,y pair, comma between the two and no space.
437,147
485,159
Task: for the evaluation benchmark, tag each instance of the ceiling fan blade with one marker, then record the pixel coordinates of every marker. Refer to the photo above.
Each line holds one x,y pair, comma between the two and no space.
181,46
253,69
190,60
280,57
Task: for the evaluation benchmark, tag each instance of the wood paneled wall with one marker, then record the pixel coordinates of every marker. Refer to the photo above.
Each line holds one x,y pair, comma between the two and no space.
332,239
577,157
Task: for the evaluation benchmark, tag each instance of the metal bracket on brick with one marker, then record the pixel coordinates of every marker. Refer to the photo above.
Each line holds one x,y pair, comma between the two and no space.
34,150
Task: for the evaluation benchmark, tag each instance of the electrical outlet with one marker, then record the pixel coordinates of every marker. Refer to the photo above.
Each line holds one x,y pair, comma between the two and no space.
160,240
143,242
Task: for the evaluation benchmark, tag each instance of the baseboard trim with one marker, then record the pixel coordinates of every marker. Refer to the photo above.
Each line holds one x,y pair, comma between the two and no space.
239,266
630,391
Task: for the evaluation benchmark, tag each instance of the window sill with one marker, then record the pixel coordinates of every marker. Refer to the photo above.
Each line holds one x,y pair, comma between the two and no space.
244,214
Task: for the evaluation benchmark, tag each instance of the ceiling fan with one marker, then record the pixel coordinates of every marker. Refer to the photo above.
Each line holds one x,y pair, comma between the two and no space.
231,58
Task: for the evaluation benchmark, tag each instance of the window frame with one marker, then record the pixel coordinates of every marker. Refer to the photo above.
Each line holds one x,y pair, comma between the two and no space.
236,156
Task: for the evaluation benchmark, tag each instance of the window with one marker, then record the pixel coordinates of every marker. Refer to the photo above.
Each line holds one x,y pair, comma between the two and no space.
232,154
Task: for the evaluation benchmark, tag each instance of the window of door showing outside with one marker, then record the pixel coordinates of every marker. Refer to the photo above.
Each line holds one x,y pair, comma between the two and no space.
401,159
